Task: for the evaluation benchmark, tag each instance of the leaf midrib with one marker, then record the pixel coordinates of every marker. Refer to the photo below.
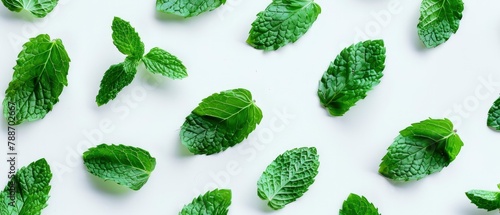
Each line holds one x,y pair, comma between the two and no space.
283,185
438,15
40,75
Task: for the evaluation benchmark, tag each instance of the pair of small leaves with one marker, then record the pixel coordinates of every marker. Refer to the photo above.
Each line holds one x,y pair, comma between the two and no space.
187,8
355,71
220,121
125,165
29,188
439,19
421,149
214,202
358,205
282,22
39,78
288,177
39,8
488,200
128,42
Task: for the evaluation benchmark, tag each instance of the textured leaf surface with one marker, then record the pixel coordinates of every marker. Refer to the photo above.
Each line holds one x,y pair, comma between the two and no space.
38,80
125,165
421,149
439,19
358,205
214,202
126,39
494,116
115,79
187,8
288,177
283,22
221,120
161,62
32,186
355,71
39,8
483,199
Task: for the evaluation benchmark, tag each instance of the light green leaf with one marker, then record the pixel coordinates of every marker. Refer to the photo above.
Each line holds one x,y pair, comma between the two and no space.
39,8
126,39
220,121
226,105
161,62
38,80
31,187
115,79
288,177
358,205
439,19
355,71
421,149
494,116
125,165
488,200
283,22
214,202
187,8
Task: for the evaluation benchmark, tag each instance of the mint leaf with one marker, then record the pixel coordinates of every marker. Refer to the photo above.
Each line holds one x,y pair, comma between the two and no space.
125,165
161,62
358,205
283,22
39,8
421,149
220,121
115,79
355,71
214,202
126,39
38,80
494,116
288,177
128,42
187,8
439,19
31,190
488,200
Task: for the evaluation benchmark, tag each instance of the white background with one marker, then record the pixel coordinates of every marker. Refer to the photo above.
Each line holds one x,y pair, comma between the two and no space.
418,83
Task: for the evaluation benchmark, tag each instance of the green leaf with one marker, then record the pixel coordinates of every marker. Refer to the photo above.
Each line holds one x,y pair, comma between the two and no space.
494,116
283,22
39,8
115,79
125,165
439,19
214,202
483,199
31,187
161,62
38,80
187,8
355,71
288,177
220,121
126,39
421,149
358,205
121,75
